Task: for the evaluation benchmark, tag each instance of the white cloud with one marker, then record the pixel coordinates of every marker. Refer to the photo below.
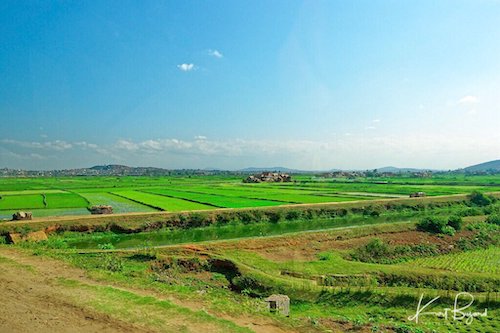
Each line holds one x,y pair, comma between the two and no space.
186,67
58,145
370,127
344,151
215,53
469,99
376,120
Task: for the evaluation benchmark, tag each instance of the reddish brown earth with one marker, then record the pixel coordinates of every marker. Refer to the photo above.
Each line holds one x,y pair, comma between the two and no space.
306,246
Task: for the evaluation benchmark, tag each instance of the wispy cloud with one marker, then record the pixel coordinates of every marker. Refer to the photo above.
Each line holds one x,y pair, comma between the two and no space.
200,151
376,120
469,99
186,67
215,53
58,145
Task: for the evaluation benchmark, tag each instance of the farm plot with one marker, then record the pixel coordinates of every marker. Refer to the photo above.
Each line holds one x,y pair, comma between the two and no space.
484,260
65,200
162,202
217,200
29,201
274,194
119,204
397,189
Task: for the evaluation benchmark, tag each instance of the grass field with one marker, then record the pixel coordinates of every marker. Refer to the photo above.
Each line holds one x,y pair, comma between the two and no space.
222,201
28,201
484,261
227,261
119,204
162,202
175,193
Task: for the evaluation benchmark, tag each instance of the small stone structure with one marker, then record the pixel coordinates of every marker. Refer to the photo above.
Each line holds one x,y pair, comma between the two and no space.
101,209
270,177
277,303
20,216
34,236
417,195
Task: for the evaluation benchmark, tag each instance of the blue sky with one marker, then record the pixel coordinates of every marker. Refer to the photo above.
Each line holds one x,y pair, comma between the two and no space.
231,84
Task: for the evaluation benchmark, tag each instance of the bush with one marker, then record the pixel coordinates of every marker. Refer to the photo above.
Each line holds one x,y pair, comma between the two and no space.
455,222
106,246
479,199
493,219
433,225
292,215
440,225
448,230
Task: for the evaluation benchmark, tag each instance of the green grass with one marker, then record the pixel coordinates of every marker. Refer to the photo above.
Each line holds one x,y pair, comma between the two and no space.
28,201
222,191
484,260
162,314
222,201
162,202
119,204
65,200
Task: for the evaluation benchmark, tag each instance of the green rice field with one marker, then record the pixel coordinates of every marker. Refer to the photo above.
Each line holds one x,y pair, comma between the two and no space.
71,195
483,261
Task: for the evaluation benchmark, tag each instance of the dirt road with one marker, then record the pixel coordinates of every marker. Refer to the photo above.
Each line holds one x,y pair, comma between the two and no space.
32,302
41,294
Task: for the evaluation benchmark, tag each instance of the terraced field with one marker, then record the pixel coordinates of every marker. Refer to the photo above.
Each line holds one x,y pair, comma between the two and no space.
483,261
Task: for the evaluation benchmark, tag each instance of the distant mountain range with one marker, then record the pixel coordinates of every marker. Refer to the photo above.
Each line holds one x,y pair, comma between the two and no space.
275,169
484,167
401,170
123,170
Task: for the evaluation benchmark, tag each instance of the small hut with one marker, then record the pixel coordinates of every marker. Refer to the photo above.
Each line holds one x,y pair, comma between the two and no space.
20,216
101,209
277,303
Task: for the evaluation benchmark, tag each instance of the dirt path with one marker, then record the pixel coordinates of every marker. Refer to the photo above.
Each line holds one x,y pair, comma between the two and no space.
31,303
35,300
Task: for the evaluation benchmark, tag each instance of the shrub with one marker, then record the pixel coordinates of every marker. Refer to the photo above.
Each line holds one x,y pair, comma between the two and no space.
434,225
448,230
479,199
107,246
274,217
455,222
493,219
292,215
112,263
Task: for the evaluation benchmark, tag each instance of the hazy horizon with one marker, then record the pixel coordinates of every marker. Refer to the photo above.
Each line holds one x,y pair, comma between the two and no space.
196,84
